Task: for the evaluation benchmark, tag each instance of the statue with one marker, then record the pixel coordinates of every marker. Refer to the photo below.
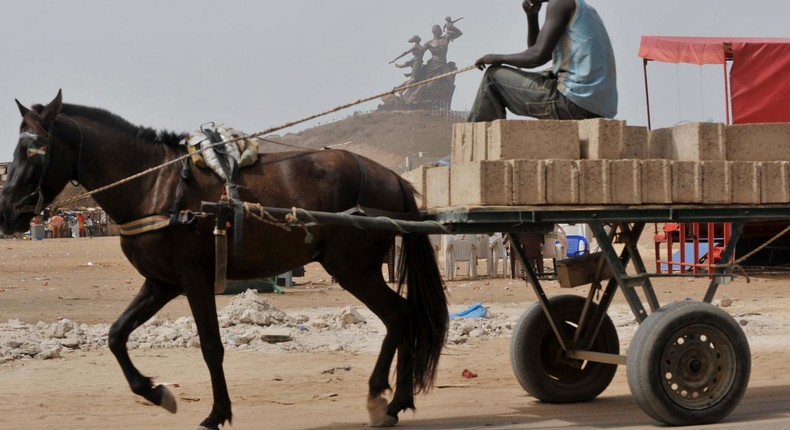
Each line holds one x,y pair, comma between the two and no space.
438,94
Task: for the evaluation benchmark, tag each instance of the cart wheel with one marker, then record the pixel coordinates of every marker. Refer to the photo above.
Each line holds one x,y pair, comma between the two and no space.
689,363
538,359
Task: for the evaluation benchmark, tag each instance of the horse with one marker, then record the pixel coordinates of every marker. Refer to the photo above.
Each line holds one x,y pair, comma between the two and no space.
61,143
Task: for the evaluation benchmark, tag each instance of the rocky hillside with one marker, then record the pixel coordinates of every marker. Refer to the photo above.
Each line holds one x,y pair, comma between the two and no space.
387,137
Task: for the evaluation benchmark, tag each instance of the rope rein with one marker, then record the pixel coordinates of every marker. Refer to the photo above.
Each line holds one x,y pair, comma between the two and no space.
87,194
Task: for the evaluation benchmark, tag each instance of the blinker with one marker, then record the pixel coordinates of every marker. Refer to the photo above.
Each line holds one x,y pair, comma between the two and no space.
36,149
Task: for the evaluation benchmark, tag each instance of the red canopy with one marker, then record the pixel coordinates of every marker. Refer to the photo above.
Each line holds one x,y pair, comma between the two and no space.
759,74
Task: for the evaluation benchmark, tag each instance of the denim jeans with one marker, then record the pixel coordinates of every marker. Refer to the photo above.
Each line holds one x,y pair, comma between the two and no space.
522,93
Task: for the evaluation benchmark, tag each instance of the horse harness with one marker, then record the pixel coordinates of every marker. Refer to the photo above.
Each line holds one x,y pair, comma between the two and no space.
231,209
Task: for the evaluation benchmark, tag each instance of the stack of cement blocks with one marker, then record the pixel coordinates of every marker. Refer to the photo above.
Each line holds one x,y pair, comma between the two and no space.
606,162
3,174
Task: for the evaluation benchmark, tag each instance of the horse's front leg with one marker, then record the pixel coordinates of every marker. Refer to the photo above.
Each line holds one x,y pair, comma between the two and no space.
151,298
204,309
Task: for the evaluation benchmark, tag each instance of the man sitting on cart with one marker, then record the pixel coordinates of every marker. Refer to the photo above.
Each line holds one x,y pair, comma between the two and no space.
582,82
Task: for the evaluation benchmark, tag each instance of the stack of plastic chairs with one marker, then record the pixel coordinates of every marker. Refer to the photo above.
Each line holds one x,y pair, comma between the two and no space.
461,248
496,252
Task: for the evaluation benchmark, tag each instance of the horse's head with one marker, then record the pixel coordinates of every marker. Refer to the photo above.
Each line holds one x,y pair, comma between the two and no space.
44,161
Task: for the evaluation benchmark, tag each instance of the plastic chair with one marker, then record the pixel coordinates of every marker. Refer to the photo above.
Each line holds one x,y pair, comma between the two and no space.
531,243
461,248
554,247
577,245
496,252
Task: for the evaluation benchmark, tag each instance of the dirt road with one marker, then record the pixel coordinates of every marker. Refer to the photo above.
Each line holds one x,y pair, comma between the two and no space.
88,281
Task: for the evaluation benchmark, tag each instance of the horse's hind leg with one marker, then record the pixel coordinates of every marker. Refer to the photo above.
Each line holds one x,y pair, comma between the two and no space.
151,298
393,310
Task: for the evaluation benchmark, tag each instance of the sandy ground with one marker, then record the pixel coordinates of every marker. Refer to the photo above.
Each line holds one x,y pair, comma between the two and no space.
89,281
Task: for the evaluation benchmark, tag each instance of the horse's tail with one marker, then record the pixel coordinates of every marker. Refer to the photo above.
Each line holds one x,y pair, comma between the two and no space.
427,301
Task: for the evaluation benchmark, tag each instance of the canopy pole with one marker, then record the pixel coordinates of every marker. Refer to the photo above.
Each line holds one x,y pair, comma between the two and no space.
727,93
647,94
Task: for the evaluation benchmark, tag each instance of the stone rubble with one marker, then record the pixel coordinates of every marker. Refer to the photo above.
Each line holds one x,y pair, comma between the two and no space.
251,323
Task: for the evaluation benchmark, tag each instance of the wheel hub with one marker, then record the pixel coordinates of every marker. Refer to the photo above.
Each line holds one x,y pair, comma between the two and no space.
698,366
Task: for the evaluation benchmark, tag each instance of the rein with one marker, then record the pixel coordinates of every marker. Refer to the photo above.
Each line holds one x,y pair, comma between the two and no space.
264,132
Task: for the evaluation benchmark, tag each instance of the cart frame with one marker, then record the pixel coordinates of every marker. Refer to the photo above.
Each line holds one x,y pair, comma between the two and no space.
688,364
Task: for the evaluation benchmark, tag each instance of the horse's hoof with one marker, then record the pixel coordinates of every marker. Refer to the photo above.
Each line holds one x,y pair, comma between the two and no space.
377,409
385,421
168,401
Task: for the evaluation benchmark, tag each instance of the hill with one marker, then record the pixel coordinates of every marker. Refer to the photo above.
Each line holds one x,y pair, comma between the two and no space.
386,137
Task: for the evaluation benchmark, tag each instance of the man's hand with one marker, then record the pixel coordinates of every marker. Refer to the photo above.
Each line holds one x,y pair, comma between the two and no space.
493,59
532,7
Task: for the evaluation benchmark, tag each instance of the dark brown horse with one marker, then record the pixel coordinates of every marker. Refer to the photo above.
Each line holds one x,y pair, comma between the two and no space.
61,142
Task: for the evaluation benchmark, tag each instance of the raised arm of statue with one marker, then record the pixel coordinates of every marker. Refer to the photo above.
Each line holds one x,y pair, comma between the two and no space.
452,32
401,56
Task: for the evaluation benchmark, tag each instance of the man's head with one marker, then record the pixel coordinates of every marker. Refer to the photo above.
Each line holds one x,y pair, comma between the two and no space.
437,30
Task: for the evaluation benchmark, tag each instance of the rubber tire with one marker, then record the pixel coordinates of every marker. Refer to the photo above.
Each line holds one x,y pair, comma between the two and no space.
534,351
655,364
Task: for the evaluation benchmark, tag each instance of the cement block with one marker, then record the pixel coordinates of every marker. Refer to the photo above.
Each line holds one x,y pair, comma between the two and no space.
482,183
600,138
686,182
659,144
533,140
746,182
625,178
656,181
698,141
775,184
480,141
462,150
437,187
417,179
529,182
634,144
562,182
758,142
594,182
717,182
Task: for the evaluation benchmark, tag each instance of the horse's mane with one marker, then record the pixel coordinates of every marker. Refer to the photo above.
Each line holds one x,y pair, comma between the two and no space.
119,124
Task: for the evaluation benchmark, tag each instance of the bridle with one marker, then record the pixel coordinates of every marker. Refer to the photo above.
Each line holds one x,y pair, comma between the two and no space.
38,153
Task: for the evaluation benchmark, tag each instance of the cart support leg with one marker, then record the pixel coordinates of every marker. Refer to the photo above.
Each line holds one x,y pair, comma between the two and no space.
618,264
639,265
533,280
726,257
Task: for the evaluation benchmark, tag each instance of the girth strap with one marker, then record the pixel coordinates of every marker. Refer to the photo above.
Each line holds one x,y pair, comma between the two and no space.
144,225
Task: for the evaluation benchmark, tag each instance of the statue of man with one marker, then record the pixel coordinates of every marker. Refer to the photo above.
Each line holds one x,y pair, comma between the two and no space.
438,47
416,62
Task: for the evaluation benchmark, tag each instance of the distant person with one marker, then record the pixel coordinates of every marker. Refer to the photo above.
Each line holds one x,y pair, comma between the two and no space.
89,226
56,224
81,224
582,82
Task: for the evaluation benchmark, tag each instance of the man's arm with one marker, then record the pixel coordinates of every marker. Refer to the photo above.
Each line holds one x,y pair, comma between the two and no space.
558,15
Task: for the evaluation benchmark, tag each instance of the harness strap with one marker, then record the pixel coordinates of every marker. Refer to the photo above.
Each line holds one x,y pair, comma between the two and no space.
144,225
363,186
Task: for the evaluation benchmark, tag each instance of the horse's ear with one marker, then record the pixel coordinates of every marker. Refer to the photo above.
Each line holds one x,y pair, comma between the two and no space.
53,108
23,110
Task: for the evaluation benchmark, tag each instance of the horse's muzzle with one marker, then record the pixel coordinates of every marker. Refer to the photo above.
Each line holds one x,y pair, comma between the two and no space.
12,223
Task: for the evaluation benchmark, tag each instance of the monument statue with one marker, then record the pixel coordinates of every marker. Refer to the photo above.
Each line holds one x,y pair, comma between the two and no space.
438,94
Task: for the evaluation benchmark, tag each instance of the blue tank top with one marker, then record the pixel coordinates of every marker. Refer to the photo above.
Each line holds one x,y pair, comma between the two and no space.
584,63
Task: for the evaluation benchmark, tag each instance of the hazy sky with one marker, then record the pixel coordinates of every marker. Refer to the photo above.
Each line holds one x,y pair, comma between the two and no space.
256,64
